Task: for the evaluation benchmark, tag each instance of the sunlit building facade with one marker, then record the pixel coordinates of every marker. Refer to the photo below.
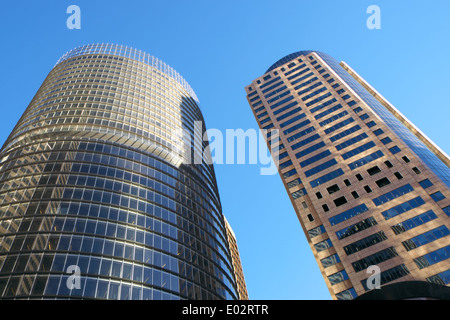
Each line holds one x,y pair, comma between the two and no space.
368,187
97,186
236,259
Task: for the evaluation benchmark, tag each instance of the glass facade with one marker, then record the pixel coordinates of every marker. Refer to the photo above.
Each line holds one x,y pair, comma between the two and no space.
96,175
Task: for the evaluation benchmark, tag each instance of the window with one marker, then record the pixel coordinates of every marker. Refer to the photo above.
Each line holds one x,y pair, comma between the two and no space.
355,228
347,182
364,116
338,277
305,141
368,189
359,177
425,183
277,98
378,132
442,278
353,212
323,245
294,183
280,102
394,194
326,95
433,257
345,133
416,170
299,193
437,196
326,112
349,294
388,164
401,208
330,261
295,127
315,158
333,118
394,149
446,210
339,125
382,182
286,107
364,160
304,205
288,114
322,105
309,150
355,194
374,259
406,159
386,140
426,238
286,164
320,167
398,175
301,78
310,218
351,141
365,243
300,134
289,173
371,124
374,170
295,75
319,195
314,232
327,177
334,188
414,222
271,88
325,208
315,85
340,201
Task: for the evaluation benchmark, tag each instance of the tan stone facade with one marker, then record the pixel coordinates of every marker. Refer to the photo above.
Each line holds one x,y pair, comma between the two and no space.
236,260
359,163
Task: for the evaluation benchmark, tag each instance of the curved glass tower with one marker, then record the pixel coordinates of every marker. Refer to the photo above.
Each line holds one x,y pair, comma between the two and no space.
98,198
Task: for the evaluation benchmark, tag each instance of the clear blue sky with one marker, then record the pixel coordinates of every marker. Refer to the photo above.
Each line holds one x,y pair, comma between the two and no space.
219,47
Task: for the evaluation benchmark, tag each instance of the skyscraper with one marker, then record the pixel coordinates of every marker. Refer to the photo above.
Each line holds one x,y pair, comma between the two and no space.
370,190
98,196
236,259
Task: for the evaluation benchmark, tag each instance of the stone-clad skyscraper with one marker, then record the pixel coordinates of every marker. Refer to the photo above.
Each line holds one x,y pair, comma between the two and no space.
95,181
367,186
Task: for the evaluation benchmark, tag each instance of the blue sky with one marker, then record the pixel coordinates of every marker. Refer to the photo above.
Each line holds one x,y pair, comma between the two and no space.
219,47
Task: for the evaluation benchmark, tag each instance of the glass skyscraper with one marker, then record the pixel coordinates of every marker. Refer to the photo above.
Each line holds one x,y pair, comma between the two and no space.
98,196
371,191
